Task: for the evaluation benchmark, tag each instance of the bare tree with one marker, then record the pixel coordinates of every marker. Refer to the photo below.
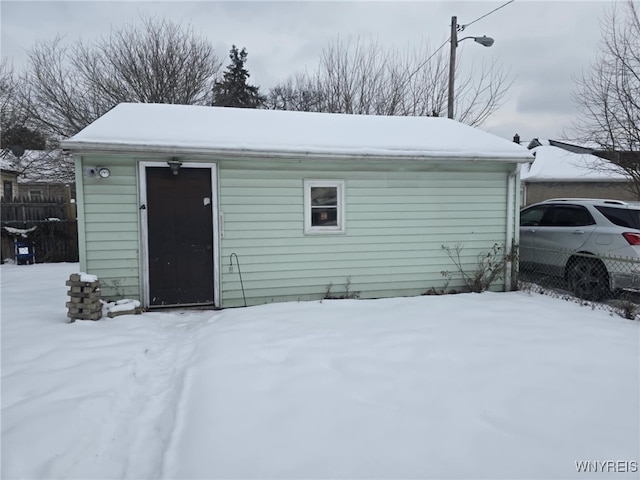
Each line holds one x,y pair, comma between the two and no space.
296,93
42,166
361,77
23,146
13,120
69,86
608,93
8,114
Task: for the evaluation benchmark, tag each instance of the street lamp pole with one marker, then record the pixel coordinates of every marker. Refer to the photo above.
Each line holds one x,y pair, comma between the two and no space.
452,63
484,41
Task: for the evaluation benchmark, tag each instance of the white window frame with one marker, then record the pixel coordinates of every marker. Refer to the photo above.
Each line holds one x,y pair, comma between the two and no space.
334,229
36,193
9,184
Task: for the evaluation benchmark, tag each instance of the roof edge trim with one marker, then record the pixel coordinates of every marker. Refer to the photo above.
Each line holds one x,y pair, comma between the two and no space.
96,147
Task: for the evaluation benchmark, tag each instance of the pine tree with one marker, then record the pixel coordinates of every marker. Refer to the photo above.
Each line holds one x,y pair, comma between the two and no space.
233,90
24,136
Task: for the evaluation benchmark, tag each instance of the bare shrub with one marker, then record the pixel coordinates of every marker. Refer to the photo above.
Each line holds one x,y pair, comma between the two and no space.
489,267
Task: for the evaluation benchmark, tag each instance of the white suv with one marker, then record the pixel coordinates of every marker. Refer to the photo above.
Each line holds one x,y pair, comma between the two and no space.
593,244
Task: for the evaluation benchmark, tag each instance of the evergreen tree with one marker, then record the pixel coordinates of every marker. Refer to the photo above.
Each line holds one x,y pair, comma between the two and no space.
23,136
233,90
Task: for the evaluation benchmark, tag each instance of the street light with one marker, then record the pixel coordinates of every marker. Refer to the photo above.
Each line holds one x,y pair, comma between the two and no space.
484,41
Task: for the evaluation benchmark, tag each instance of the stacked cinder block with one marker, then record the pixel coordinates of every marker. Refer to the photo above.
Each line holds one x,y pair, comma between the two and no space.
84,302
123,307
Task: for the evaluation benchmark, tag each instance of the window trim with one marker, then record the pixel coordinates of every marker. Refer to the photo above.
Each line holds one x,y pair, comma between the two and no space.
9,190
39,193
334,229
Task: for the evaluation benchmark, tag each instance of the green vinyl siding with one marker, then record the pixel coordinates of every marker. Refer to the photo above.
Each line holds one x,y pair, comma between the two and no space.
396,224
397,217
110,226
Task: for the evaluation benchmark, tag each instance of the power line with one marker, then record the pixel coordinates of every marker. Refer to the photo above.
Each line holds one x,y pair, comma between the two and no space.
462,27
427,60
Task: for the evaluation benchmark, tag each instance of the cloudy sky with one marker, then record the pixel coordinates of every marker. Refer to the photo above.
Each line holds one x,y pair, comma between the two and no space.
545,44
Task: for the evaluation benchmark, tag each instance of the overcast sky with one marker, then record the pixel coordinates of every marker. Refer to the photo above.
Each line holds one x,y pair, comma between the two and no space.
544,43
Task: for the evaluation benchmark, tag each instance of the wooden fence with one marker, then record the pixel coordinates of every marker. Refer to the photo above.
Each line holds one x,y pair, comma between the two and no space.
28,210
52,241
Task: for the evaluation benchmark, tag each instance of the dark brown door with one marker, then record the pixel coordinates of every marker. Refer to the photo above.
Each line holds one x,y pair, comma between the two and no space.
180,231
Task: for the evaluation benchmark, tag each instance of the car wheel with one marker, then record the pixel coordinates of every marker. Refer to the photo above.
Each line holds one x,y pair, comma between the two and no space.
588,278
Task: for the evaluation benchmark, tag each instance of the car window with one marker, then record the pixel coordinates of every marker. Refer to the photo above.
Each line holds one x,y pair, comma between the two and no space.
567,216
635,216
621,216
532,216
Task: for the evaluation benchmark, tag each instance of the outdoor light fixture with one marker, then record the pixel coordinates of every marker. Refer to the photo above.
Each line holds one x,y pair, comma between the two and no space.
96,172
174,165
484,41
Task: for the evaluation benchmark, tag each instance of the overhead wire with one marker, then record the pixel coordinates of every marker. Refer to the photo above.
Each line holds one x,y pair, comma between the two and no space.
427,60
461,27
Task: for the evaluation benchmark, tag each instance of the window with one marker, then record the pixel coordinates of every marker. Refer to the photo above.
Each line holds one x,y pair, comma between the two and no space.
568,216
621,216
532,217
35,195
7,190
324,206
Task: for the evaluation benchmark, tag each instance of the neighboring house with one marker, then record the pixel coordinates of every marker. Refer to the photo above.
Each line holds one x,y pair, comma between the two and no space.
560,170
9,179
43,174
191,205
38,205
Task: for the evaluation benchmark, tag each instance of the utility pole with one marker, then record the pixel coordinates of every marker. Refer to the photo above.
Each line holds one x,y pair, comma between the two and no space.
484,41
452,63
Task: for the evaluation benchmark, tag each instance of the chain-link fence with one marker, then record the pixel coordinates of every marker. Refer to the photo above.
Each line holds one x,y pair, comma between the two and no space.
608,282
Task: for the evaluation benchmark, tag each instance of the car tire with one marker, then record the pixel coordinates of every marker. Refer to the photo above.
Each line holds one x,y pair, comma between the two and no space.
588,278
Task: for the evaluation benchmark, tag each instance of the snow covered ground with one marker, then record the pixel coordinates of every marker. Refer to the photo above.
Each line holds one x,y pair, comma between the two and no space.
462,386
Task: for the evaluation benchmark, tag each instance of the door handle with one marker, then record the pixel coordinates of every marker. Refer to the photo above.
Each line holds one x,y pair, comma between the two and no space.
578,232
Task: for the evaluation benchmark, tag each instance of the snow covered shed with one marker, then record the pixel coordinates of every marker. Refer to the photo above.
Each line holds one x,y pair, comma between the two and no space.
191,205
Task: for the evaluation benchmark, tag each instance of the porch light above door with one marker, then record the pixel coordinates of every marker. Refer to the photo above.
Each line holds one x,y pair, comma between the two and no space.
174,165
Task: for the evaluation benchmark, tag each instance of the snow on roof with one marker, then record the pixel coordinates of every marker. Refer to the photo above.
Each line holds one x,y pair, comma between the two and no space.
557,164
47,166
182,128
41,166
590,145
6,163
